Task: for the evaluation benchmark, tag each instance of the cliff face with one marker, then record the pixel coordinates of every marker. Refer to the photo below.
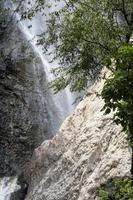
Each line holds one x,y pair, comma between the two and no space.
88,150
24,119
29,112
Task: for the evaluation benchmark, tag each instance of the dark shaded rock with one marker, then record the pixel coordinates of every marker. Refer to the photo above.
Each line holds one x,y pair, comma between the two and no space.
24,117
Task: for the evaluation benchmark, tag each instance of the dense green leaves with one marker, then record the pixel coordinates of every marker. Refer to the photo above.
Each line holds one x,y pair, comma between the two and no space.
85,35
118,90
117,189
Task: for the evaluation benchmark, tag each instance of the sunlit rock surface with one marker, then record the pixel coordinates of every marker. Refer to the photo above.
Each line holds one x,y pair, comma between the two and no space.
88,150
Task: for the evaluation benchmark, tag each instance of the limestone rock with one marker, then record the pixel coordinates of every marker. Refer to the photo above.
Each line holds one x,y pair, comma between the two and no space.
88,150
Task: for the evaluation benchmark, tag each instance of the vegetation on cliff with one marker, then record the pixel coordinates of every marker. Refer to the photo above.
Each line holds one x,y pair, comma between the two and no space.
118,92
117,189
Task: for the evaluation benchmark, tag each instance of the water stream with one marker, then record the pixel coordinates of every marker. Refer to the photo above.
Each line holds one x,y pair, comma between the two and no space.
61,103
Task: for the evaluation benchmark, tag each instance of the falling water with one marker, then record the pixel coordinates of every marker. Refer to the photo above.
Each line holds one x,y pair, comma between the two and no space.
59,105
62,103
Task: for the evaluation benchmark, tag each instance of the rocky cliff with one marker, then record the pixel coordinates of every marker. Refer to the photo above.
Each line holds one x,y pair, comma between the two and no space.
29,112
88,151
24,115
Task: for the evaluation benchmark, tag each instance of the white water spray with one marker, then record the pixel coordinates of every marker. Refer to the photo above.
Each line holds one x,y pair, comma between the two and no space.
62,102
7,186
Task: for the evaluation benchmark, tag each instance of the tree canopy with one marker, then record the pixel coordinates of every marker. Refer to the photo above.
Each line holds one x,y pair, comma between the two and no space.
118,90
85,36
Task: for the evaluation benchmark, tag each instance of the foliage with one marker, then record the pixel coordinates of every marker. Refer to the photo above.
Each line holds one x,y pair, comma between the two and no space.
31,8
85,35
117,189
118,91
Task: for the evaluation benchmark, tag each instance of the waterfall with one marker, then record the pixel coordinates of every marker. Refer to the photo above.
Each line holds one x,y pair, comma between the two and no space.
59,105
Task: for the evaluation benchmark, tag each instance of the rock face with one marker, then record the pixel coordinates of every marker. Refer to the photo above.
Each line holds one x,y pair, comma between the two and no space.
24,118
88,151
29,112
